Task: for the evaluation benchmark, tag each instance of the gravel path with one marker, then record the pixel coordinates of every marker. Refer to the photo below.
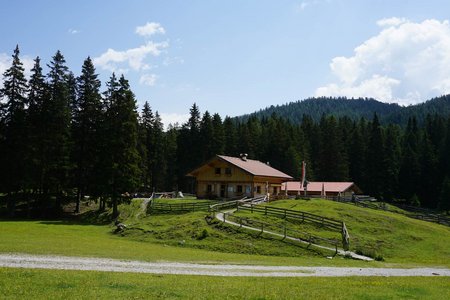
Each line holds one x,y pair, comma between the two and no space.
18,260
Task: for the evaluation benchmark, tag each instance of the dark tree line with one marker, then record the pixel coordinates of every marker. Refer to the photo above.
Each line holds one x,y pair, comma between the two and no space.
62,138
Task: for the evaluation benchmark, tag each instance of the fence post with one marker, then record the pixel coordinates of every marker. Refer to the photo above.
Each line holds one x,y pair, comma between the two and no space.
224,215
285,231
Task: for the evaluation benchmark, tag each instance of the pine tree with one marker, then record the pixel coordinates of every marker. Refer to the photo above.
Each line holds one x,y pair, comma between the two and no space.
58,130
38,99
146,145
15,129
230,137
409,174
206,137
160,163
123,157
357,158
392,162
332,164
218,138
375,159
87,117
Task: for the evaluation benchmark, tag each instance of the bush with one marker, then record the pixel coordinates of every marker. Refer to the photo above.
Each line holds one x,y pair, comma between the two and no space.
204,234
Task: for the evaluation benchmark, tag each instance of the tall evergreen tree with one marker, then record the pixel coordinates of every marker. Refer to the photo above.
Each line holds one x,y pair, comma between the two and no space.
409,174
146,145
218,138
123,156
58,131
375,159
38,99
332,164
87,117
15,129
230,137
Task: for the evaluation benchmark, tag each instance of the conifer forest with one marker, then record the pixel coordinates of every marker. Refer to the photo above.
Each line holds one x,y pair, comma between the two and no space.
64,137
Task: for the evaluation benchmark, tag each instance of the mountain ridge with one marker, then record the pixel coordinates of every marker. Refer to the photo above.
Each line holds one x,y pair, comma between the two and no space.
354,109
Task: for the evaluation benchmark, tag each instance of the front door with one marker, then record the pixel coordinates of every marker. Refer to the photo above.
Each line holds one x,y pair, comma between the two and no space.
223,189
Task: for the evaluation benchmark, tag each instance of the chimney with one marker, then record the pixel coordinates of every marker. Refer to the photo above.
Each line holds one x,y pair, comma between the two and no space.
243,156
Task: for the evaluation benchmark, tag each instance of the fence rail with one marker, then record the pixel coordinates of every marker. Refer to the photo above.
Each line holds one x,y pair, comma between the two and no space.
236,203
282,231
293,214
411,211
178,207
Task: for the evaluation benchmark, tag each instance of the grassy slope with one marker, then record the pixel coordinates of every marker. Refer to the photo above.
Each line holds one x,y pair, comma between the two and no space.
56,284
397,238
69,238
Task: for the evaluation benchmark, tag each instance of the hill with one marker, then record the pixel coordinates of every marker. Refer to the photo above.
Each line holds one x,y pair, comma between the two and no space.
390,236
354,109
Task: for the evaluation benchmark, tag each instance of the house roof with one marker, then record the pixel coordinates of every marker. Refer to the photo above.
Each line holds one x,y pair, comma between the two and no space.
254,167
337,187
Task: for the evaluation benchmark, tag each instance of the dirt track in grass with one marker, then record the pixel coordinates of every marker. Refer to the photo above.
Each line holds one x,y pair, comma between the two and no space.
17,260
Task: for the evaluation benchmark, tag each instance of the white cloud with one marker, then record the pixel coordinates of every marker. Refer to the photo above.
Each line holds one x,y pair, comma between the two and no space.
173,60
391,22
173,118
150,29
406,62
73,31
148,79
133,58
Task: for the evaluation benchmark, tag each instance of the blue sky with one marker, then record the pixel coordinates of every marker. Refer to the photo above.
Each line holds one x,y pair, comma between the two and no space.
235,57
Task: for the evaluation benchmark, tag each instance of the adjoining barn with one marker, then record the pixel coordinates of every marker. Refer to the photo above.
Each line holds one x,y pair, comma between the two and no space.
229,177
321,188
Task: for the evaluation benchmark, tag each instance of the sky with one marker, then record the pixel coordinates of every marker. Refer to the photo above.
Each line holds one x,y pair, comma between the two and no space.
235,57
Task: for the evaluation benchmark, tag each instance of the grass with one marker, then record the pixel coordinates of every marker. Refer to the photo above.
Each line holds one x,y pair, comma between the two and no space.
58,284
392,236
77,239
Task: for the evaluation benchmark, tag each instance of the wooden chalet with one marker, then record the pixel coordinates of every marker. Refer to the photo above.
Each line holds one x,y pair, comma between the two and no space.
230,177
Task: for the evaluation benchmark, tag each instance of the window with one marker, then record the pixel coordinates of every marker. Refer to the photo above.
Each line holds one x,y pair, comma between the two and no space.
239,188
258,189
209,188
230,189
228,171
217,171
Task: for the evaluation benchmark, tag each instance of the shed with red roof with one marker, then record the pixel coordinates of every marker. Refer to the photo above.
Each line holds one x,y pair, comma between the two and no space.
321,188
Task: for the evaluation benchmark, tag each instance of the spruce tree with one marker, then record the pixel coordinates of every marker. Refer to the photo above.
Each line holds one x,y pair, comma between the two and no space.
58,130
376,169
123,157
38,99
87,117
15,130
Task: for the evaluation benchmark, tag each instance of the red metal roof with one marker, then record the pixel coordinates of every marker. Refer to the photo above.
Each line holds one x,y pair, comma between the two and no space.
337,187
254,167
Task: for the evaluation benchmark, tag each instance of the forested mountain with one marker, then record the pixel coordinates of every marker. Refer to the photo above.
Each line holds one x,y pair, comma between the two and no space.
355,109
62,138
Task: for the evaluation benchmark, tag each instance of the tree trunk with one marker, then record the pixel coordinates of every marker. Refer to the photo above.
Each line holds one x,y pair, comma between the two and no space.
77,206
114,203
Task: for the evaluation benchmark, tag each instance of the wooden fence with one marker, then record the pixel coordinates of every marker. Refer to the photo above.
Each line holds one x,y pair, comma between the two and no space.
282,230
293,214
411,211
235,203
156,207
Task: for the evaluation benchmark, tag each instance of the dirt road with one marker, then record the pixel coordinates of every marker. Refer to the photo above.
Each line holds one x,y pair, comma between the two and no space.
17,260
